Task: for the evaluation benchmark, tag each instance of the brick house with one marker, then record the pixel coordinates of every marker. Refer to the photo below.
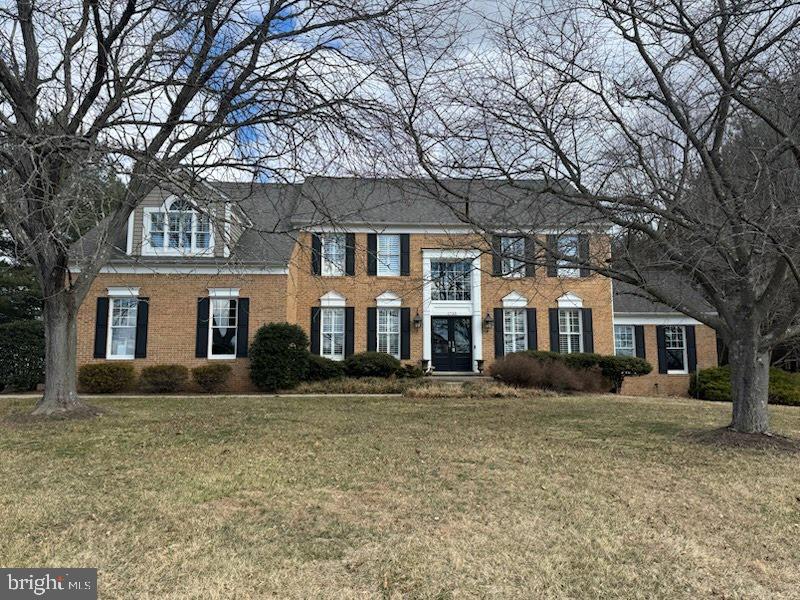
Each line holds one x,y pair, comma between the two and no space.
366,264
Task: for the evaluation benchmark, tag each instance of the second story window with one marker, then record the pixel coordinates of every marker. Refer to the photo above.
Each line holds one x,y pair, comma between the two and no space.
180,228
513,256
569,247
388,260
451,280
334,252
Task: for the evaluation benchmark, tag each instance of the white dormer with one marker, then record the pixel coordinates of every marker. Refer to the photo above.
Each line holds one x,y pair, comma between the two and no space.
515,300
332,299
388,299
570,300
176,228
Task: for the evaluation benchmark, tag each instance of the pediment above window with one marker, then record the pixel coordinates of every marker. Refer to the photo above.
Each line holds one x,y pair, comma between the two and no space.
515,300
332,299
388,299
570,300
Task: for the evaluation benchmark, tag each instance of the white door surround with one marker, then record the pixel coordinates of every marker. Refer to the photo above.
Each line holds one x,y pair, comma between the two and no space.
454,308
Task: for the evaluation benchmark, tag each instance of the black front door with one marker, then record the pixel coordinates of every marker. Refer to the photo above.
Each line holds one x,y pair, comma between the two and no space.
451,343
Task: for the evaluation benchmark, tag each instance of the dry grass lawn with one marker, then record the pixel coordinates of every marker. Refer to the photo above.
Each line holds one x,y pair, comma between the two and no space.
546,497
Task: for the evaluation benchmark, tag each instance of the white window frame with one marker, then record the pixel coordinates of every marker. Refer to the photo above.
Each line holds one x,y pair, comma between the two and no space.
329,268
165,249
222,298
569,334
685,370
383,263
117,297
466,290
387,332
512,265
632,347
564,267
323,317
514,335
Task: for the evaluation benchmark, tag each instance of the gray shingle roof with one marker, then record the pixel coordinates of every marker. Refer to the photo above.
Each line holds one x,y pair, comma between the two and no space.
630,299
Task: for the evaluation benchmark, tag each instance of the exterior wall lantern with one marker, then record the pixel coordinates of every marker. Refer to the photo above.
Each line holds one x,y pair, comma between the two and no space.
488,321
417,321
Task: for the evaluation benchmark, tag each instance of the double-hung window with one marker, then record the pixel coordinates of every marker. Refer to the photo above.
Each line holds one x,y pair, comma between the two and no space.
512,250
332,330
570,339
388,259
334,252
122,328
515,330
675,349
451,280
222,332
568,246
624,340
389,331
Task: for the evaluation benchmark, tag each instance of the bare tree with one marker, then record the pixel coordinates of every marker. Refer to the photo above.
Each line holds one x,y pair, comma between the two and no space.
159,91
674,122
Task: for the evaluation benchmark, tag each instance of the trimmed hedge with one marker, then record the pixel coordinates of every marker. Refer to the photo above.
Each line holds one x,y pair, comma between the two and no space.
522,369
614,368
21,355
371,364
715,384
211,378
163,379
322,369
278,356
106,378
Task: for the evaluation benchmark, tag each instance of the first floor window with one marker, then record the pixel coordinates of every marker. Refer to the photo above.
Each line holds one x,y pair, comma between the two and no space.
513,255
334,252
675,348
515,336
122,325
223,327
389,331
569,331
332,329
624,344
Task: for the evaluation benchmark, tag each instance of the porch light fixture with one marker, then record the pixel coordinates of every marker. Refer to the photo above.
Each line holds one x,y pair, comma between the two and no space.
488,321
417,321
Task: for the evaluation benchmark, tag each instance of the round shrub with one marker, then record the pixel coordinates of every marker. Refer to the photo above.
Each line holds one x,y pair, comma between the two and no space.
410,372
371,364
278,356
211,378
21,355
106,378
163,379
321,368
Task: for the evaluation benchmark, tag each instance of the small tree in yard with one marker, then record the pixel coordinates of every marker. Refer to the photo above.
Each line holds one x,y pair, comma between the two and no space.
278,356
157,93
673,125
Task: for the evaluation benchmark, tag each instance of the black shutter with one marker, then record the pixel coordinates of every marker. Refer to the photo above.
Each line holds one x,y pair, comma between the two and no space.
242,327
372,254
588,333
691,349
553,317
662,349
372,329
533,342
349,331
499,346
316,254
142,316
530,256
201,339
552,269
314,329
350,256
405,254
583,254
101,328
638,336
405,333
497,259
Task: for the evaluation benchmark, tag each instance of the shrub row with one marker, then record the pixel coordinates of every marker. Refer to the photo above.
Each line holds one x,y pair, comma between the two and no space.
568,372
21,355
112,378
715,384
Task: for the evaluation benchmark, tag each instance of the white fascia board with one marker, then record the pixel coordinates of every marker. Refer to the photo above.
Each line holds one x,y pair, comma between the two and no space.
188,270
654,319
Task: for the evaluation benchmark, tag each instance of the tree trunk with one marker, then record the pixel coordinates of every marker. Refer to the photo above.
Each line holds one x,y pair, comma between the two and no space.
60,330
750,385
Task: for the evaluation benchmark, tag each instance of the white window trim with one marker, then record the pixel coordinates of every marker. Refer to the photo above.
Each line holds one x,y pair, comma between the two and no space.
110,319
515,300
333,300
568,272
123,292
388,300
524,328
341,270
633,338
685,370
570,300
336,357
223,292
165,250
519,271
211,327
399,332
579,333
381,264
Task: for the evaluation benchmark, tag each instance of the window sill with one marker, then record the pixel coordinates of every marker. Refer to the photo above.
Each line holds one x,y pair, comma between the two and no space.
336,358
131,357
223,357
677,372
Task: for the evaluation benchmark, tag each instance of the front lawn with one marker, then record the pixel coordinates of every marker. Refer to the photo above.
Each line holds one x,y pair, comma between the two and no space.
341,497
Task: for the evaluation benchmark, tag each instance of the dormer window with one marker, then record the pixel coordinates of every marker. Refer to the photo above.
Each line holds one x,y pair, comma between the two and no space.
176,228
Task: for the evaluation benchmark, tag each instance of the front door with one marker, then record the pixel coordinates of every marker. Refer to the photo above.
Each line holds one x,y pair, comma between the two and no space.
451,343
